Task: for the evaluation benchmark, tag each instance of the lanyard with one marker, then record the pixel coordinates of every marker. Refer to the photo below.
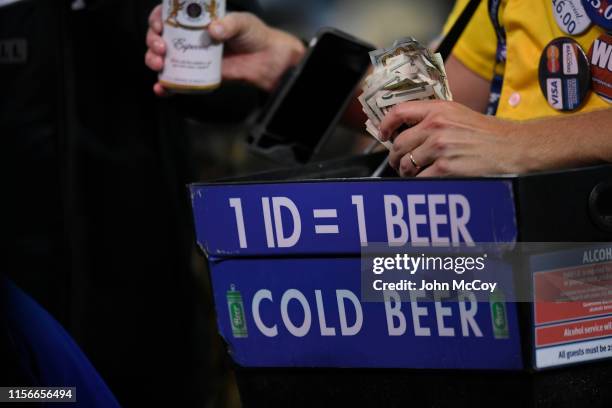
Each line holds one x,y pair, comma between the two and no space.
448,43
500,58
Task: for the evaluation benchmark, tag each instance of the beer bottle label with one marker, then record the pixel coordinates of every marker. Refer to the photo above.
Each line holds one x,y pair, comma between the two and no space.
193,60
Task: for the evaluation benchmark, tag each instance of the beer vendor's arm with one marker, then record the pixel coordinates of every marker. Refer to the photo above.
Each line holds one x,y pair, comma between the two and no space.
567,141
449,139
468,87
472,63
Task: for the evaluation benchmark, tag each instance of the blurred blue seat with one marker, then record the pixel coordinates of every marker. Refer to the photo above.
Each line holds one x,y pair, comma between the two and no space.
44,352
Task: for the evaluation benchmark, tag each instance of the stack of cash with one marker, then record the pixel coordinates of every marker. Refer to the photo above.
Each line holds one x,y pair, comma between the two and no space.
405,72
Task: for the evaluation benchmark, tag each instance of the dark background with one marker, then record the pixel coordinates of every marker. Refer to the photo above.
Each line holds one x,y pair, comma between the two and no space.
96,223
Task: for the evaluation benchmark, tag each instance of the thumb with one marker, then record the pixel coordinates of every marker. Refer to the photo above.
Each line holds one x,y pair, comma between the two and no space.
231,26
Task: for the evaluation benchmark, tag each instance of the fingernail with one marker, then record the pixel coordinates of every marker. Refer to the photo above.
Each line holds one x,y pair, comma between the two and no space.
157,26
217,30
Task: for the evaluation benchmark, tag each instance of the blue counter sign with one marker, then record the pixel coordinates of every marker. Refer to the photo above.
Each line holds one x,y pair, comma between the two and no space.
340,217
308,313
286,273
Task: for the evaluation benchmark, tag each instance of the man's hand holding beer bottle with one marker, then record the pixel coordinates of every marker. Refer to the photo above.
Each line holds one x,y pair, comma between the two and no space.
254,52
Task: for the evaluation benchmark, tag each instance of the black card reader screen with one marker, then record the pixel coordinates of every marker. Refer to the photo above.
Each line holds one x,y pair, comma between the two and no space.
328,77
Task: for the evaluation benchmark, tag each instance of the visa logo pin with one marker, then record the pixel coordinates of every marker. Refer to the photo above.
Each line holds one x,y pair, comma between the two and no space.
553,93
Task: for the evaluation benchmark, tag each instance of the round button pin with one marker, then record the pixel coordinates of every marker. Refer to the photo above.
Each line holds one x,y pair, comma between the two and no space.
514,99
600,57
600,12
565,75
571,16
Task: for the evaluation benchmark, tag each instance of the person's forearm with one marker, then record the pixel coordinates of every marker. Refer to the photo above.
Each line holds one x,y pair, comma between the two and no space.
570,141
468,87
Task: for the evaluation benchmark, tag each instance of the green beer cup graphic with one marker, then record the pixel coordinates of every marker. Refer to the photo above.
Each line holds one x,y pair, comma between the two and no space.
499,317
236,313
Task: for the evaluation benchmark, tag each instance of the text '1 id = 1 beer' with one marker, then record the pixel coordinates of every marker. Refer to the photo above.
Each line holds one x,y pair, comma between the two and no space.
193,60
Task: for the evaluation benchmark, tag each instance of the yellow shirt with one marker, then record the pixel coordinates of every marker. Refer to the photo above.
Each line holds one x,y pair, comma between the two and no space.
530,25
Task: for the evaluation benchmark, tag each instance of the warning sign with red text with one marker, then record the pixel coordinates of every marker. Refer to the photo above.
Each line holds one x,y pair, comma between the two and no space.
572,306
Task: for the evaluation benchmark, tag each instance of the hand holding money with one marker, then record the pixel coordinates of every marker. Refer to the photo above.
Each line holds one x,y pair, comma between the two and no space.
405,72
